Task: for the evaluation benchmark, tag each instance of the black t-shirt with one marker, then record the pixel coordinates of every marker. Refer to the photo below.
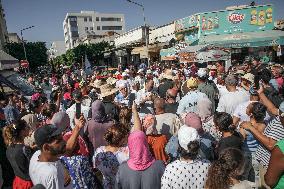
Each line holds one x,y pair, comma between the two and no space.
19,156
171,107
233,141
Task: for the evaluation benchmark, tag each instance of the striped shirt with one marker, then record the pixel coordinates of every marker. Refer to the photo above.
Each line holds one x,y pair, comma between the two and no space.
274,130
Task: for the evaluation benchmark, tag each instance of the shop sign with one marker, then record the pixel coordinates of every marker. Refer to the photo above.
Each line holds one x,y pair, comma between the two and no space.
248,19
236,18
186,23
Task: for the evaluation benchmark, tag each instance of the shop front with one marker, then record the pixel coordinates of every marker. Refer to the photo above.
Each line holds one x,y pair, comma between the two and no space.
246,32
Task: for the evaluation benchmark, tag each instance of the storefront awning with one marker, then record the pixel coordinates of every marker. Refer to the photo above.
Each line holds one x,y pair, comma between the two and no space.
247,39
194,48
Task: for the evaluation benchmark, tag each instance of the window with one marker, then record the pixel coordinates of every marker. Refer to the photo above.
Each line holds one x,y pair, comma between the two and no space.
98,28
90,19
111,19
97,19
85,19
111,27
91,28
73,19
86,28
74,28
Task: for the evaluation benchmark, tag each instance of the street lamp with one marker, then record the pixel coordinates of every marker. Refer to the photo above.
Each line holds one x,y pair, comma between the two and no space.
23,40
146,33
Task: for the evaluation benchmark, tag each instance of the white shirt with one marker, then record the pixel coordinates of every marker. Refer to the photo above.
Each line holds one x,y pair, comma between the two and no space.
240,111
49,174
188,103
230,100
72,111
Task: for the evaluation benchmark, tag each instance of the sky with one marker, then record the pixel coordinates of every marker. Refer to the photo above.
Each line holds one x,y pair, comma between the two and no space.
47,15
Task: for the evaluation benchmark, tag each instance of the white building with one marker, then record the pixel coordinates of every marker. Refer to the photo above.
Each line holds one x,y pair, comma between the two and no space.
78,25
131,37
14,38
57,48
162,34
3,28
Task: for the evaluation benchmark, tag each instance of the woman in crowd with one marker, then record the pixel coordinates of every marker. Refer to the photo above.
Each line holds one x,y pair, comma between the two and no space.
225,173
108,158
141,171
98,125
204,110
157,142
48,111
188,171
79,168
257,113
230,138
18,154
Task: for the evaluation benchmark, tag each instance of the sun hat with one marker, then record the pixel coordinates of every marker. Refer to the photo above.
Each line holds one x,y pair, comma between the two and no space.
186,135
249,77
111,81
96,84
107,90
191,83
201,73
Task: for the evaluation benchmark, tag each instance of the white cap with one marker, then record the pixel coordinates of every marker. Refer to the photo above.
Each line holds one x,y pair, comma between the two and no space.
148,72
126,70
202,72
186,135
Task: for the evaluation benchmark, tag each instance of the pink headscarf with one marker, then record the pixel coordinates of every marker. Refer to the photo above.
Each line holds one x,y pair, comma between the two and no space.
140,157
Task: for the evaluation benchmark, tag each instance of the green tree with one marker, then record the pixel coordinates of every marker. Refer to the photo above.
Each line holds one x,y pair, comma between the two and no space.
36,53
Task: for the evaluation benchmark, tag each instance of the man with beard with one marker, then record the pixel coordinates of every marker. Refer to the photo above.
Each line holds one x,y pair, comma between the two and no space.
45,167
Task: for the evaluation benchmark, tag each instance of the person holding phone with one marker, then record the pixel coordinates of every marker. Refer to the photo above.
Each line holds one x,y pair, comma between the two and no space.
77,108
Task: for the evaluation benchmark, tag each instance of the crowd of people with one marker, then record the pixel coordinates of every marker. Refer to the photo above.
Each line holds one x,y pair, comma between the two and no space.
163,126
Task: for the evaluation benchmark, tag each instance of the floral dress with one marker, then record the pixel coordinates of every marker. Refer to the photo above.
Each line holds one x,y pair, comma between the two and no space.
81,172
108,162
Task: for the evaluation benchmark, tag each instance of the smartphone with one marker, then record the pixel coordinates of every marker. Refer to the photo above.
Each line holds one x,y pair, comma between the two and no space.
131,100
78,110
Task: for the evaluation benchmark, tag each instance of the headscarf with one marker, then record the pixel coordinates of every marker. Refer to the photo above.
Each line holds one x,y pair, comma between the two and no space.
193,120
83,150
148,124
204,108
98,112
61,120
140,157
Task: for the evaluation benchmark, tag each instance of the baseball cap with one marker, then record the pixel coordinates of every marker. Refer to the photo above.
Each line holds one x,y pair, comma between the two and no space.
192,83
249,77
201,73
45,133
186,135
231,80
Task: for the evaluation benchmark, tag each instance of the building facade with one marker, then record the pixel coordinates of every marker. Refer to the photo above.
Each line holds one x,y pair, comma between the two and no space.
3,28
57,48
14,38
79,25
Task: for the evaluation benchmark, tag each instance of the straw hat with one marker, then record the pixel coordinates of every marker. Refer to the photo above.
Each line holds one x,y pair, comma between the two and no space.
192,83
96,84
168,74
249,77
107,90
111,81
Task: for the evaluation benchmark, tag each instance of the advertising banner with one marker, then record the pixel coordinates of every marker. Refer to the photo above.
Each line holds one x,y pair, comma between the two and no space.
186,23
249,19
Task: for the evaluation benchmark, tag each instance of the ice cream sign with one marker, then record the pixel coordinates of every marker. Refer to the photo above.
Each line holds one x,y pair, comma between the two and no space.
236,18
